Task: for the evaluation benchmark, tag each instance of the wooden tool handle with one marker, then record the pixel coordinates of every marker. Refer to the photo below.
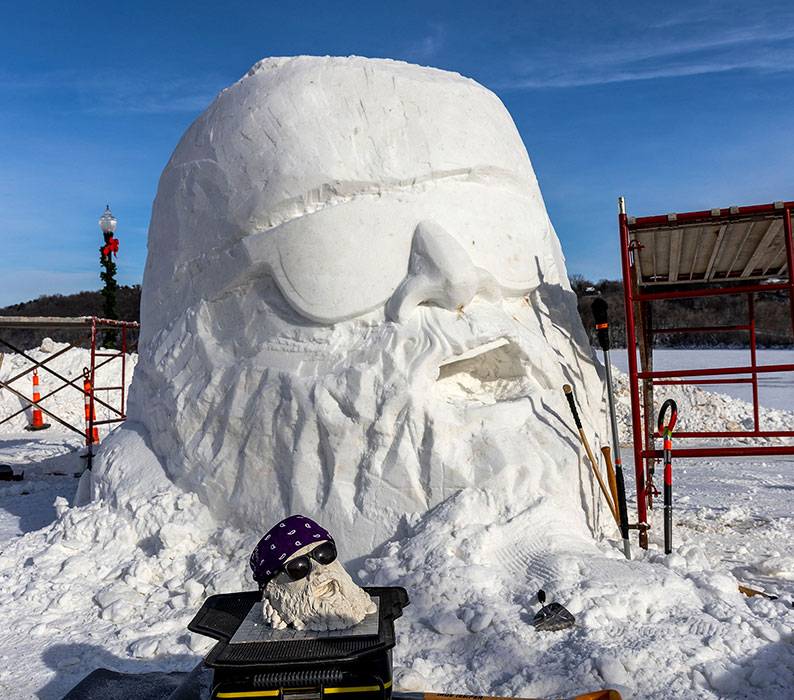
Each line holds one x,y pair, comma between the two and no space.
569,395
612,480
597,695
598,476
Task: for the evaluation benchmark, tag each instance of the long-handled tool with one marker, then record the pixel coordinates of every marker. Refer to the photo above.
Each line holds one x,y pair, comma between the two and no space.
601,316
569,394
612,480
597,695
666,430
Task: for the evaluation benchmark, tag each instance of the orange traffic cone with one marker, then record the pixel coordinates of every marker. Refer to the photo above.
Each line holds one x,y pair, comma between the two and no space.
38,423
90,415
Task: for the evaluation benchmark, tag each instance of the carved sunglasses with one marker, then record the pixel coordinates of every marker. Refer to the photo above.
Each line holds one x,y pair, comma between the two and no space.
299,567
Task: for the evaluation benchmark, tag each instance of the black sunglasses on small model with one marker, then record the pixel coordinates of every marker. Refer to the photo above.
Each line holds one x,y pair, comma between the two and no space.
299,567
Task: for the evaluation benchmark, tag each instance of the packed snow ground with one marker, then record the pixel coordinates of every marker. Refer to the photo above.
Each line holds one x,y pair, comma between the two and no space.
97,586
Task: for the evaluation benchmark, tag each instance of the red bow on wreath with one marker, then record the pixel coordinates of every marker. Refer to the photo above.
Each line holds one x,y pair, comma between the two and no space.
112,246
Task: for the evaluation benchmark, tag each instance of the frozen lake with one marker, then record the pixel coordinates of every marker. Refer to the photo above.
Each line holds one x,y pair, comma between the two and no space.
775,390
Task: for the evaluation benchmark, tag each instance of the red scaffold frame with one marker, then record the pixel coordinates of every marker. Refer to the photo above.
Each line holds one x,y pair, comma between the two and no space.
92,324
640,331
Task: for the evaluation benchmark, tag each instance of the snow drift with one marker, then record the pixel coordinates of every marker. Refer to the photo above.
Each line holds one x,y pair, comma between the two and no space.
354,306
115,582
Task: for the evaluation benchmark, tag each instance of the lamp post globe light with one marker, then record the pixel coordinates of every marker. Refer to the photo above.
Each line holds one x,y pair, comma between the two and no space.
107,224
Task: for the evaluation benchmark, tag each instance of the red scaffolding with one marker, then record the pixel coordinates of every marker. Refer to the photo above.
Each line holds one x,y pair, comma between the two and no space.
99,357
736,251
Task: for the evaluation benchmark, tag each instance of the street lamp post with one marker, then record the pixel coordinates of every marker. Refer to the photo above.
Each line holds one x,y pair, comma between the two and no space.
107,224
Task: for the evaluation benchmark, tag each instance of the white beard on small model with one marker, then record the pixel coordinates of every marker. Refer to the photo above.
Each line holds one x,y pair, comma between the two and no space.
327,599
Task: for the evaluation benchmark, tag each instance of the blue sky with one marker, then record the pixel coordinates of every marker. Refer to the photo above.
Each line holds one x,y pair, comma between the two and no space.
676,106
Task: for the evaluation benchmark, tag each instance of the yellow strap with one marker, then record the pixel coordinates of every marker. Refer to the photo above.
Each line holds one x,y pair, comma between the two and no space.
357,689
328,691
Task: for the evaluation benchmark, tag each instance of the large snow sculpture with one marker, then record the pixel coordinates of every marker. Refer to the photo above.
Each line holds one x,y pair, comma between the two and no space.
354,305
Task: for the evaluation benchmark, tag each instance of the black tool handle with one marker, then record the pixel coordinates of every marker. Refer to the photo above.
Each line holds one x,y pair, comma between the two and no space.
623,510
569,394
668,510
660,424
600,310
666,429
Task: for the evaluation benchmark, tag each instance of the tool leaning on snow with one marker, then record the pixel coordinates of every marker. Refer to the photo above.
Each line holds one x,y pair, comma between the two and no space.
600,310
572,403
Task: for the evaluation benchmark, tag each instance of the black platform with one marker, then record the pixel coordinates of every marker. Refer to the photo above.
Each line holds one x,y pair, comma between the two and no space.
354,663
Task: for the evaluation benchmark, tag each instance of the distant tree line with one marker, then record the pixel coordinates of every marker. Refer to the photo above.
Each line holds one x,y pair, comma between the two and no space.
772,317
128,304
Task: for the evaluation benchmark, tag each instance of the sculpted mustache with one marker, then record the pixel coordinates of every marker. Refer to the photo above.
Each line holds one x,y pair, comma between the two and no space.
434,338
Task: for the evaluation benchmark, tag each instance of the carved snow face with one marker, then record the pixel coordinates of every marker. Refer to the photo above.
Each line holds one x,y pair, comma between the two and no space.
316,173
354,303
326,599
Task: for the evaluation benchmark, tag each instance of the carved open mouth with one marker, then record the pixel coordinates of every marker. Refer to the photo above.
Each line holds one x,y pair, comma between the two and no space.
486,374
326,589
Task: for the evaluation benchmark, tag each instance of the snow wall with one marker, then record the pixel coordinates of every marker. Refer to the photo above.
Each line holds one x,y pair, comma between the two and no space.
354,307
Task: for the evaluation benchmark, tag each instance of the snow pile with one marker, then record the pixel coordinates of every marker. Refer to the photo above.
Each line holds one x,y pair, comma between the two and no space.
68,403
355,305
659,627
701,411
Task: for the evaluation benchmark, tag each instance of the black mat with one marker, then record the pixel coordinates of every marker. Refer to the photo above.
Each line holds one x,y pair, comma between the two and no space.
104,684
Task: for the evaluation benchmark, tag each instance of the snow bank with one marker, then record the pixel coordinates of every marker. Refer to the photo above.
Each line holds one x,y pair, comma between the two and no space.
653,628
67,403
702,411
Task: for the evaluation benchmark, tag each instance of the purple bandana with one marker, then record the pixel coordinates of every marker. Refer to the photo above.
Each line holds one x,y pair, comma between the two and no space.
281,542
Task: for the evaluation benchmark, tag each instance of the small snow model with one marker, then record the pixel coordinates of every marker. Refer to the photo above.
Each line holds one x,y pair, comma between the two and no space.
302,582
309,630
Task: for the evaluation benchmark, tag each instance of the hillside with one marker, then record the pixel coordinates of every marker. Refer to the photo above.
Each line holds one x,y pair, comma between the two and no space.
128,302
773,320
772,317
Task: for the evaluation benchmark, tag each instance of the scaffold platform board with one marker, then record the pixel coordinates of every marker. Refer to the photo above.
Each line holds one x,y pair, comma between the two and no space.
737,244
63,322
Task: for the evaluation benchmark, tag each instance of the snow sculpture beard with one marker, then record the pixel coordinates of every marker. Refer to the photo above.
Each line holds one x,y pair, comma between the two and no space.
359,423
326,599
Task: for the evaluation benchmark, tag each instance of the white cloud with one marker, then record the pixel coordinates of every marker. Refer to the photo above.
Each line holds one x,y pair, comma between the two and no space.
428,46
683,44
111,93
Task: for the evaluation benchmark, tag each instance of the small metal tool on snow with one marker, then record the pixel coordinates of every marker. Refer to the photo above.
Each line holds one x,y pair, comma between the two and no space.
551,617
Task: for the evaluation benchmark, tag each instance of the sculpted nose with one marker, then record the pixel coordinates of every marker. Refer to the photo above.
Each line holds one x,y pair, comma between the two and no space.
440,273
